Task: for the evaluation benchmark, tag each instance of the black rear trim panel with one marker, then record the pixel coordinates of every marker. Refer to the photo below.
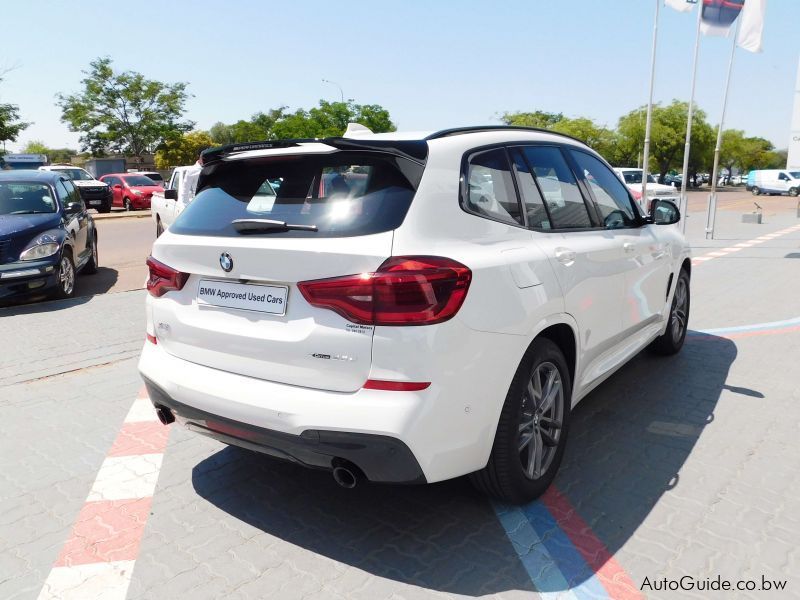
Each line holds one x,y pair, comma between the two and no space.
381,458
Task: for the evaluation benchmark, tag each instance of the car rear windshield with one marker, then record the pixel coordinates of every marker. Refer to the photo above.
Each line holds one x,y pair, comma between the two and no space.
342,194
23,198
138,180
75,174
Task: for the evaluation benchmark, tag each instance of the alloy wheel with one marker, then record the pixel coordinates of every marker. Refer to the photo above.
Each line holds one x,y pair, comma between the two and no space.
66,276
679,309
541,420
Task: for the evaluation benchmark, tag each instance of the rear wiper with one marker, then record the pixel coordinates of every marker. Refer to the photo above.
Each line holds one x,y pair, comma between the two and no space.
27,212
268,226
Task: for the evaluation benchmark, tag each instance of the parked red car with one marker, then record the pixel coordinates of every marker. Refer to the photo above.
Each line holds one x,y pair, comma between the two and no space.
131,190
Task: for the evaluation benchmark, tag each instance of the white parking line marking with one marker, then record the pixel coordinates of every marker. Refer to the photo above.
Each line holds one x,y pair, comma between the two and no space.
126,477
748,244
141,410
98,581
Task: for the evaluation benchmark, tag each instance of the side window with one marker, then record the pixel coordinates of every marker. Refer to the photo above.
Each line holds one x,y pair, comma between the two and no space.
783,177
74,194
490,188
62,193
560,190
611,196
532,199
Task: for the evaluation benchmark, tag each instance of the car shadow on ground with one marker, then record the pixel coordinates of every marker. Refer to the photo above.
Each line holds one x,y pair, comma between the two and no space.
86,286
628,442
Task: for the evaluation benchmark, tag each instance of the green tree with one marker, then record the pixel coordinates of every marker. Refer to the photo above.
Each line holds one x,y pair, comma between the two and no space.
326,119
537,118
775,159
54,155
36,147
667,136
123,111
183,150
602,139
330,119
61,155
732,149
10,125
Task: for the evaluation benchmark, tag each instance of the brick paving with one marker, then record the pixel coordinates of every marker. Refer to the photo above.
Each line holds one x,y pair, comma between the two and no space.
680,466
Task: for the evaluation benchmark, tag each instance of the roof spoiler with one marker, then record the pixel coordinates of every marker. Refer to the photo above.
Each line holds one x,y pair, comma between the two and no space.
416,150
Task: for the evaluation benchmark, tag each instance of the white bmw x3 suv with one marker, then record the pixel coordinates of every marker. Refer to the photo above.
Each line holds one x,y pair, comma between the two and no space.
408,308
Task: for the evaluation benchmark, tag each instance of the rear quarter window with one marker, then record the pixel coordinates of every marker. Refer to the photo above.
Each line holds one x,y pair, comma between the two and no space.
342,194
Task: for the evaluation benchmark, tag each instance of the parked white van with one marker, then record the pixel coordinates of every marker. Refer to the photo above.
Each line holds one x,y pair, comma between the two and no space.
774,181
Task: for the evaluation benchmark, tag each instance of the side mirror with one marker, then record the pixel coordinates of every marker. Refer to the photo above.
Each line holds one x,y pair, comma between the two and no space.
664,212
73,207
170,194
117,186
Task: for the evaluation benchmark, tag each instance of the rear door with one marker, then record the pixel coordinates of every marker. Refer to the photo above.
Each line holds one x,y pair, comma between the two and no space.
241,310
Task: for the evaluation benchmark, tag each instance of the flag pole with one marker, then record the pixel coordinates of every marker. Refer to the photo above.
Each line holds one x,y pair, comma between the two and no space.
646,157
711,214
684,181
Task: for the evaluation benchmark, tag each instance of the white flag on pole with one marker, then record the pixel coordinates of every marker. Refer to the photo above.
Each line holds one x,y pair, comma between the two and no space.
680,5
719,16
752,26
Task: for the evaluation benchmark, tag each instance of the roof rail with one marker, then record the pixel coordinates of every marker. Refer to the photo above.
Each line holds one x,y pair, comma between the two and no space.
481,128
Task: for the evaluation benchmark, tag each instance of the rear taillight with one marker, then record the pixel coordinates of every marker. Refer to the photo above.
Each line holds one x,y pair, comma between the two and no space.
163,278
405,290
636,195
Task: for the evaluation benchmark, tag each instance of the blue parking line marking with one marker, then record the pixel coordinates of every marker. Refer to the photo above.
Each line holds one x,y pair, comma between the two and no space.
536,555
579,575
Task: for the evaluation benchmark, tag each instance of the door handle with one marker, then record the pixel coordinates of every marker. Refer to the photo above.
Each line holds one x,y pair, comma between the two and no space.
629,247
565,256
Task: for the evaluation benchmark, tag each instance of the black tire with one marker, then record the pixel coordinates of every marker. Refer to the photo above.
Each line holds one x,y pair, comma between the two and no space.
66,277
794,191
127,204
756,190
91,266
159,227
106,208
671,341
504,476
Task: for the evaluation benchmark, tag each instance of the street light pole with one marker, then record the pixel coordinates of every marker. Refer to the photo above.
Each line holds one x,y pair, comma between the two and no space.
341,93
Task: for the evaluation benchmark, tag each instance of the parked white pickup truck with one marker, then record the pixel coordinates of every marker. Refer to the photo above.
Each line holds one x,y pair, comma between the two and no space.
167,205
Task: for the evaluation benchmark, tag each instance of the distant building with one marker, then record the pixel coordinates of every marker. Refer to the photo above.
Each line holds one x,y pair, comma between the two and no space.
793,160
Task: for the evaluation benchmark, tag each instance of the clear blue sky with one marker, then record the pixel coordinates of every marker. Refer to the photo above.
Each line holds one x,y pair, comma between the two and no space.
432,64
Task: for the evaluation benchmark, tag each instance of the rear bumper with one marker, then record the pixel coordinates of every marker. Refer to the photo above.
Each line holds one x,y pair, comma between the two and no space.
381,458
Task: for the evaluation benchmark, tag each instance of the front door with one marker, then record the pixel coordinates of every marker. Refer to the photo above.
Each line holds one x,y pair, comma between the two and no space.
588,260
647,267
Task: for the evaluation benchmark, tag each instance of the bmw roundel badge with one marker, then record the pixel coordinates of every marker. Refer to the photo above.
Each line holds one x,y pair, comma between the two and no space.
226,262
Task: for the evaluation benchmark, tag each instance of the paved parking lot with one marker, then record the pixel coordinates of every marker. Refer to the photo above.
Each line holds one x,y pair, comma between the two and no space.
679,467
